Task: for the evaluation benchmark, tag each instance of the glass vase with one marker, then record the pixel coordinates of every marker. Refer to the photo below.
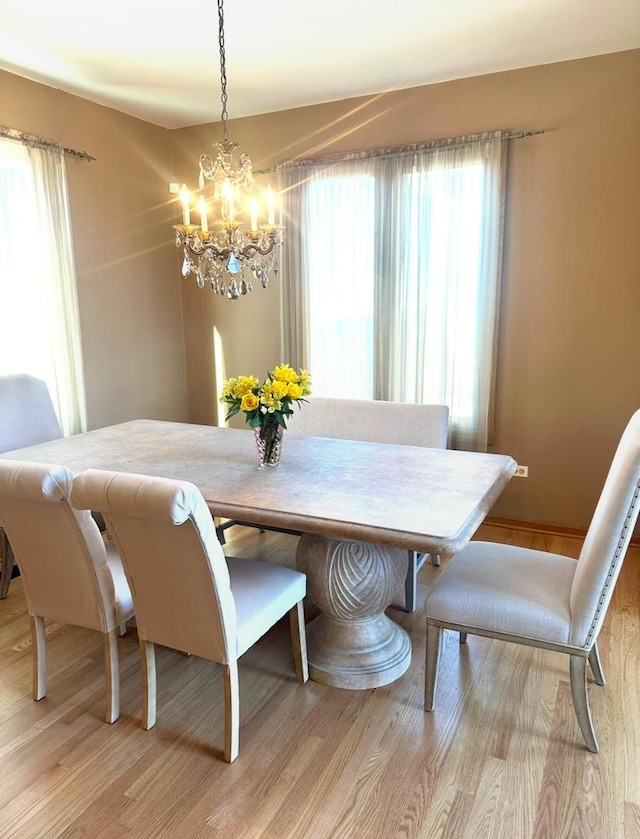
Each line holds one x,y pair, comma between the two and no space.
269,443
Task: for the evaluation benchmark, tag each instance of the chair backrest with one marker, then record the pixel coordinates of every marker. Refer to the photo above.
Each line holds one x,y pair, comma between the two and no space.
27,416
171,555
607,539
373,421
60,551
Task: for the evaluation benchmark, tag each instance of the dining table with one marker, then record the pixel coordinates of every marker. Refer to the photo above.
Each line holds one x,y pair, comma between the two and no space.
359,507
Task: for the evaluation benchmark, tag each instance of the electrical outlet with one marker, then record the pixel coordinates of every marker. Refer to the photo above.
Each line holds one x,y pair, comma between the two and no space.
521,471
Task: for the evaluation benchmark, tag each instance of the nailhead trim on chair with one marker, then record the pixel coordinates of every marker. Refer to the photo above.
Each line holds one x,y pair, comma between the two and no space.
614,564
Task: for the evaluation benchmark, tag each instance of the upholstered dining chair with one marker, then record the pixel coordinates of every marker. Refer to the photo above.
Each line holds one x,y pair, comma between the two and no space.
69,573
542,599
187,595
27,417
378,421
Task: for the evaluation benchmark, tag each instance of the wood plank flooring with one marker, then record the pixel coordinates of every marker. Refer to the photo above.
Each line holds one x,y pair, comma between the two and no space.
501,756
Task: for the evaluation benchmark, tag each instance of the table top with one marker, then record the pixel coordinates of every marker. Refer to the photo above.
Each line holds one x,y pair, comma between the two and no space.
416,498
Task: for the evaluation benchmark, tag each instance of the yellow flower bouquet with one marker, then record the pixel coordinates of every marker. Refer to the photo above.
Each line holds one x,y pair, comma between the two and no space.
267,406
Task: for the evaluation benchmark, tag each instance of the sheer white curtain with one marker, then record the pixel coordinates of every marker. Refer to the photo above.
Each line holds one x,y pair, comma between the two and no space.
391,277
39,321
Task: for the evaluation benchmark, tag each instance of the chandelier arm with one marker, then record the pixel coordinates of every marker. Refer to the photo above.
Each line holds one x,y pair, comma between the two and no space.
262,248
223,252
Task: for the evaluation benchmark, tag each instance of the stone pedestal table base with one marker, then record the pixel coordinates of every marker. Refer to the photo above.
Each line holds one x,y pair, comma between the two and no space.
352,643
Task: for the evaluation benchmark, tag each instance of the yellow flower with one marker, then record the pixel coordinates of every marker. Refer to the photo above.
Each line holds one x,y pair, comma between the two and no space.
294,391
305,382
285,373
249,402
228,389
270,398
282,387
279,389
244,384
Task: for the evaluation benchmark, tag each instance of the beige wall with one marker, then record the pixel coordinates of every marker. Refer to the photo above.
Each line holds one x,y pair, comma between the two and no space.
569,348
128,286
569,351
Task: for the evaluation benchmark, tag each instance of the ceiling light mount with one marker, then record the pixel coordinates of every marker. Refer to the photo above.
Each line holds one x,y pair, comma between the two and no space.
236,249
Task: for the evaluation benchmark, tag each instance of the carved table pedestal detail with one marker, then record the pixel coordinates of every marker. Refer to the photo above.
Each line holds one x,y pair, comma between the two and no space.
352,643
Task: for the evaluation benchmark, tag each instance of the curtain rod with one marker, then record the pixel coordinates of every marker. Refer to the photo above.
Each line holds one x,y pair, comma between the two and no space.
42,143
450,142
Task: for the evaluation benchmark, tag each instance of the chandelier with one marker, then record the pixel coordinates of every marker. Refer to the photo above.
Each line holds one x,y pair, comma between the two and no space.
231,247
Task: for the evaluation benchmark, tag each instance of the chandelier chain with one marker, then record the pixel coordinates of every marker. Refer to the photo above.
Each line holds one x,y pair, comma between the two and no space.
223,71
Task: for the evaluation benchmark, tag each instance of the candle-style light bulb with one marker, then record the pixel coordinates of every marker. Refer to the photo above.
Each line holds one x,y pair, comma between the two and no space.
185,198
202,206
271,202
254,213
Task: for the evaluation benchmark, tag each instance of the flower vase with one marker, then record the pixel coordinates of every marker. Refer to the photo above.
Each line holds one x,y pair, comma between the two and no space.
269,443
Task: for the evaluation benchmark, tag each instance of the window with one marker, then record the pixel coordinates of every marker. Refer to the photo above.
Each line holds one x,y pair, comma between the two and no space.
341,289
391,277
39,327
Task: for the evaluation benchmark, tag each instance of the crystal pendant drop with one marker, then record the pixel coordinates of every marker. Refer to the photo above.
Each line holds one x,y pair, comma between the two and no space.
186,266
233,266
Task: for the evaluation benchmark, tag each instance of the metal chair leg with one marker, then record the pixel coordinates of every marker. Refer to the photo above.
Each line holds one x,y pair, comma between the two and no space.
578,674
411,583
434,642
415,561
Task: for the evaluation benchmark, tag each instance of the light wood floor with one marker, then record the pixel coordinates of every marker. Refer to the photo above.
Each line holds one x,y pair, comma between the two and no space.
501,756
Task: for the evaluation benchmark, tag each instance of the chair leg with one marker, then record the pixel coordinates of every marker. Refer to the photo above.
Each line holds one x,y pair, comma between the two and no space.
7,564
149,692
414,564
463,637
578,674
299,641
112,674
39,644
434,642
231,711
219,531
407,601
411,583
596,665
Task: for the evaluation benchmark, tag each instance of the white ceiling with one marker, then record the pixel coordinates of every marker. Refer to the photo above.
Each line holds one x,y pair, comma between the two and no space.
159,60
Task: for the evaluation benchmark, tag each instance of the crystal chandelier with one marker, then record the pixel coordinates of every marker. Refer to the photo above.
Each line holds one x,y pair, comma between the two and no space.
226,252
